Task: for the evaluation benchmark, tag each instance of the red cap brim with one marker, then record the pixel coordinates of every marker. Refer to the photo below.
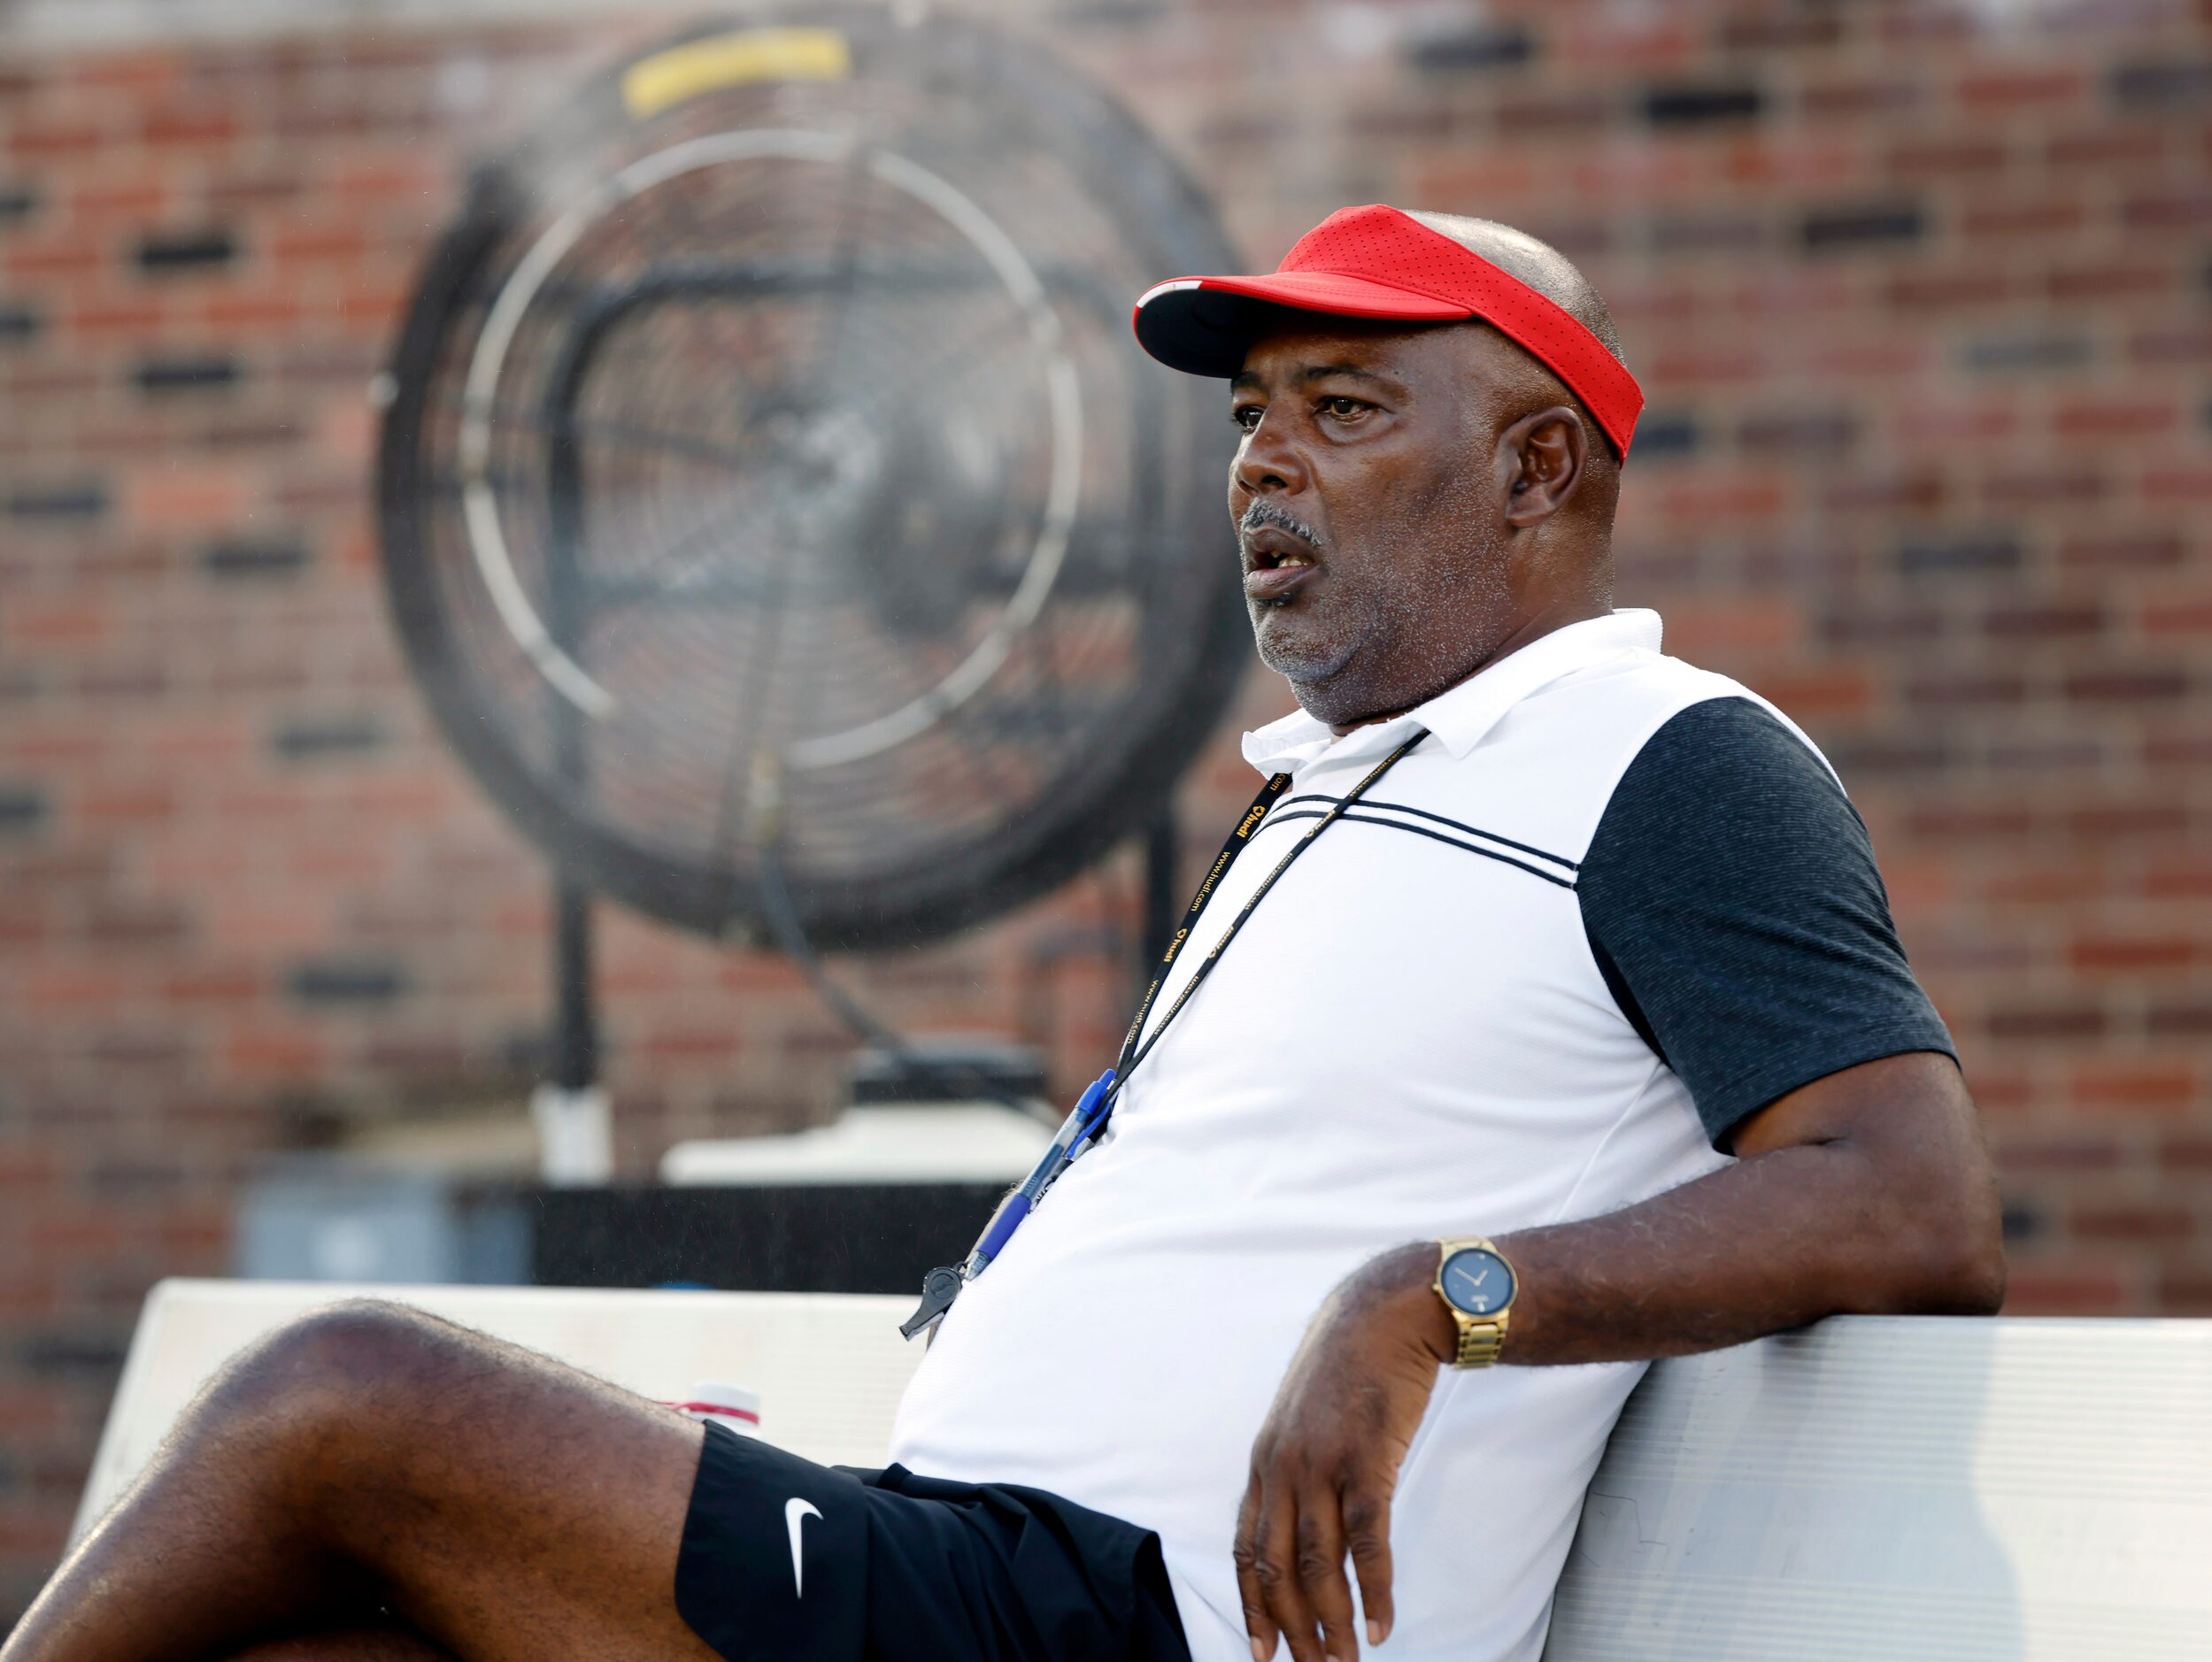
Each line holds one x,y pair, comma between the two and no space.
1378,261
1204,326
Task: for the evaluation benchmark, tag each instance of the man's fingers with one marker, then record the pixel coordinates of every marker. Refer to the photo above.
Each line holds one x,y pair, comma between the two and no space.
1257,1622
1320,1577
1274,1569
1367,1534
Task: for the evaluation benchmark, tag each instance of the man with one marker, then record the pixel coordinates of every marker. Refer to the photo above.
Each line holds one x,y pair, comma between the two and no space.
1560,1020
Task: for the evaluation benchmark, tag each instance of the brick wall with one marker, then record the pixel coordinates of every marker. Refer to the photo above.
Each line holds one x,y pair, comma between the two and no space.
1920,294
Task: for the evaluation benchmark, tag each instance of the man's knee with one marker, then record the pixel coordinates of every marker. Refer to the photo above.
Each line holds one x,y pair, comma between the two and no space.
349,1363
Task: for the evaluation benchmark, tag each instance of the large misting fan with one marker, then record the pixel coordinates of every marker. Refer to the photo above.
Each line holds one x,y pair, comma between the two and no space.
776,509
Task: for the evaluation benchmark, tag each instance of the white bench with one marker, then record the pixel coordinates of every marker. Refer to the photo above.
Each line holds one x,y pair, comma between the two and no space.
1877,1488
1968,1491
829,1368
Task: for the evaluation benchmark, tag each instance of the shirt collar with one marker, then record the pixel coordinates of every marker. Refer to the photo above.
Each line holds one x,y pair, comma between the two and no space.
1461,716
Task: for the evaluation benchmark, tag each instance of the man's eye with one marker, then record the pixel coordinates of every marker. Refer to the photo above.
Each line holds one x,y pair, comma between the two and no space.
1245,416
1342,408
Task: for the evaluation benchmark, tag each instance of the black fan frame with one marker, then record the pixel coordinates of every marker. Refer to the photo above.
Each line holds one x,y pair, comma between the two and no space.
1097,800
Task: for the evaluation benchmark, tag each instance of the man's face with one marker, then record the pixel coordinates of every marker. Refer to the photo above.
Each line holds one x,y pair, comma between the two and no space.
1369,513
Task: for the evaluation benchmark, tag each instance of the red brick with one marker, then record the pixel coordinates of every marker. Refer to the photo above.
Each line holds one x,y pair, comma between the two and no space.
2128,821
65,624
117,206
2189,208
2065,621
273,1053
2179,878
1843,97
1886,361
2150,684
1924,26
1978,689
2034,1290
2075,285
1969,289
2100,952
1970,824
1904,491
2038,87
180,498
1969,156
722,1043
2169,348
2163,486
2046,485
59,991
2066,1024
1632,41
1820,696
2189,1151
2161,1225
2139,551
1948,422
188,126
56,138
74,254
226,984
2046,217
2170,1089
2042,884
2185,1290
2125,152
2115,418
2191,617
2073,1154
311,243
91,320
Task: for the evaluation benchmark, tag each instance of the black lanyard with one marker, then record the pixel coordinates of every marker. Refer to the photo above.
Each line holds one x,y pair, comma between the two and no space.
1088,1121
1132,1052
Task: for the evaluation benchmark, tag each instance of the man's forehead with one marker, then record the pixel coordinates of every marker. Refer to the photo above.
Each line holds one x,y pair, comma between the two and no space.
1299,351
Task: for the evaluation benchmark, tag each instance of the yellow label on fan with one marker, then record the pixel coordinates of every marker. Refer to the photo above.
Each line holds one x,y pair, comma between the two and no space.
652,84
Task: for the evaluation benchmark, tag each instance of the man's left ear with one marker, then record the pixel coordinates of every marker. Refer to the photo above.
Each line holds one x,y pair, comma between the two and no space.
1549,451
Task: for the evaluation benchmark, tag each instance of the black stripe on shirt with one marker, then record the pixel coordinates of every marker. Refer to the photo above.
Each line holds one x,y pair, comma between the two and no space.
1356,818
1473,831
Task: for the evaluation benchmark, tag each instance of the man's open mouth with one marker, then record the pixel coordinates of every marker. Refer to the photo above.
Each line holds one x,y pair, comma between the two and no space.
1277,563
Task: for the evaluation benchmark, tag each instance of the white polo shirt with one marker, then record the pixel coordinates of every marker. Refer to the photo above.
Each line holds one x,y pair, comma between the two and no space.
1412,1038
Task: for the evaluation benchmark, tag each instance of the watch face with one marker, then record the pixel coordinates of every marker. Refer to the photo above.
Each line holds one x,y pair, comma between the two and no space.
1476,1282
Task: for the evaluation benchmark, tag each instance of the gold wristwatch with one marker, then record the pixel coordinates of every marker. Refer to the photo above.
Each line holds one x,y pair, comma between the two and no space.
1476,1285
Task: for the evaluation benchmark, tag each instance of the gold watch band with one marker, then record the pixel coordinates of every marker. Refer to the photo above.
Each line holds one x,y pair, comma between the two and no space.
1481,1338
1479,1342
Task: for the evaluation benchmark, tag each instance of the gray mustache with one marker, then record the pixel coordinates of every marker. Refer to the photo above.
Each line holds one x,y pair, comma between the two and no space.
1263,512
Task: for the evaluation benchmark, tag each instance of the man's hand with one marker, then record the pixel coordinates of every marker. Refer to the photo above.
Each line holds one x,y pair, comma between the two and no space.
1325,1464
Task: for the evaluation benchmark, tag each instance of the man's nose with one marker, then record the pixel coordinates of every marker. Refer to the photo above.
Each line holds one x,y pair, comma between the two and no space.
1268,463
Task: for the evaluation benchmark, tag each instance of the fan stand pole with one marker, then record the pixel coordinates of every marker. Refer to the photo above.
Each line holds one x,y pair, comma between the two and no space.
575,1121
1160,902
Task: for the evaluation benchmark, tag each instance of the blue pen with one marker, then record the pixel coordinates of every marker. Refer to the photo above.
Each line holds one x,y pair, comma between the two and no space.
1076,1132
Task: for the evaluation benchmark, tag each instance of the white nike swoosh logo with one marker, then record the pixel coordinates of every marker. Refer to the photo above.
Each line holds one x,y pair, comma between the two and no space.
797,1511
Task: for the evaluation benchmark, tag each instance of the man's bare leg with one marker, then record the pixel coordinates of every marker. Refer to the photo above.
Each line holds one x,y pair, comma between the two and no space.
369,1458
389,1645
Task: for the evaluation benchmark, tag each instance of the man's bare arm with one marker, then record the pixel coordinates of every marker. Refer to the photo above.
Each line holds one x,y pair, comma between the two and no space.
1865,1192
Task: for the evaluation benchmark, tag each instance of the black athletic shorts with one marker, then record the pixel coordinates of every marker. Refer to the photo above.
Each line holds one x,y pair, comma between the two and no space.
784,1560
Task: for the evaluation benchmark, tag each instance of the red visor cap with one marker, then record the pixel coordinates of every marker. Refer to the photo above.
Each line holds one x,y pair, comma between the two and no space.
1378,262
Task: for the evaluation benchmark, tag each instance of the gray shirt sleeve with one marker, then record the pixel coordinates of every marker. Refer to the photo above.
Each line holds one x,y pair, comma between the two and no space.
1732,903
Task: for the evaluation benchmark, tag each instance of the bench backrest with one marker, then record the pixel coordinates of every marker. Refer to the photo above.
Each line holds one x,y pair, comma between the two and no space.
1906,1487
1875,1488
